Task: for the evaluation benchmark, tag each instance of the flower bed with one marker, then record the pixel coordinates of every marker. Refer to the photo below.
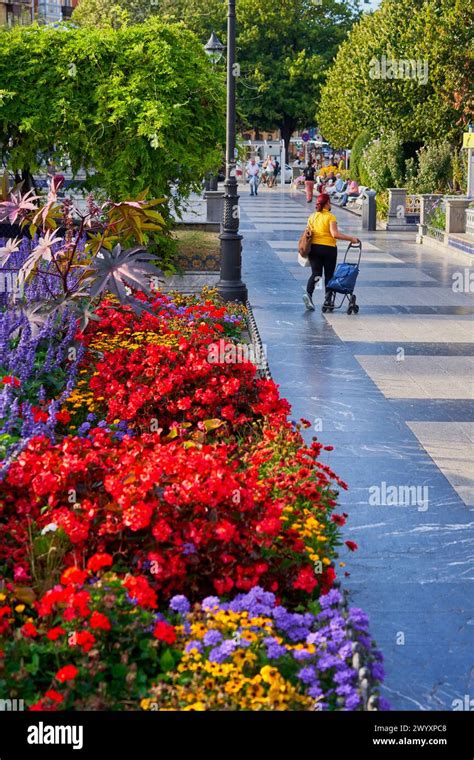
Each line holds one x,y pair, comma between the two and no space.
172,472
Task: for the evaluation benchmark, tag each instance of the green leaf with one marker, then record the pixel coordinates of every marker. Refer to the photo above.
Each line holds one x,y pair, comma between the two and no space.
167,661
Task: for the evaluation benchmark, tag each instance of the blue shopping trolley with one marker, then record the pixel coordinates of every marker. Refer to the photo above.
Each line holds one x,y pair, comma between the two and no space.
343,281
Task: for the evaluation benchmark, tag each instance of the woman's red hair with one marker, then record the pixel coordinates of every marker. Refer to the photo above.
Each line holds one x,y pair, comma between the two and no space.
321,201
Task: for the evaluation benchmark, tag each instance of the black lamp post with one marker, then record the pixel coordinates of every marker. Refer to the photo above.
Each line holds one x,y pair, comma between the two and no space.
230,285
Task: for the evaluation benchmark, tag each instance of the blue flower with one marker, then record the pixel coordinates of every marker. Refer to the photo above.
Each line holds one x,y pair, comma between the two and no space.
308,674
212,638
180,604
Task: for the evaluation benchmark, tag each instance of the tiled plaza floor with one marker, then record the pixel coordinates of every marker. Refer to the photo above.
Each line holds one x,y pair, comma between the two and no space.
392,389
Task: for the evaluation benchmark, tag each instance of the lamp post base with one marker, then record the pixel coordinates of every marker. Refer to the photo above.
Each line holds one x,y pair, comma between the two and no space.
230,287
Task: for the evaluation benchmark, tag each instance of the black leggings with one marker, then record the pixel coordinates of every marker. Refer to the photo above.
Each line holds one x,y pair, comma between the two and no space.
322,258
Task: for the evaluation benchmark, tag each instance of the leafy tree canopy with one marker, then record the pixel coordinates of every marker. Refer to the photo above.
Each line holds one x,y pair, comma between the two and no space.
434,103
283,50
138,107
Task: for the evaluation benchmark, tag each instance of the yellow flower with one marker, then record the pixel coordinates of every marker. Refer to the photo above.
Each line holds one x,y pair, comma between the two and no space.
145,704
19,608
198,706
268,674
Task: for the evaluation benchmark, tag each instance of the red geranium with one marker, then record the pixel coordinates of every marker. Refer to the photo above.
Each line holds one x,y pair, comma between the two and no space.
98,620
67,673
164,632
98,561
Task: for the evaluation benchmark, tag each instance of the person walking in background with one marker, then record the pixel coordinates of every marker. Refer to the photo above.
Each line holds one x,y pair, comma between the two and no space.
309,175
271,170
351,192
252,176
323,254
276,171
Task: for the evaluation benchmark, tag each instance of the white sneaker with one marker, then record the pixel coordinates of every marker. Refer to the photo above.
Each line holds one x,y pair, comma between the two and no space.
308,302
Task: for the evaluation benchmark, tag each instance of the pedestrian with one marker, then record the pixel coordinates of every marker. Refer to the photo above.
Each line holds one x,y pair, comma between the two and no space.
270,169
276,171
323,254
252,176
351,192
309,175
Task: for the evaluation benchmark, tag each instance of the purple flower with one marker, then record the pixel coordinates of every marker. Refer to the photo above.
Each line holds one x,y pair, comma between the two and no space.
274,649
302,654
308,674
332,597
377,670
353,702
358,618
212,638
194,644
222,653
180,604
315,691
210,603
84,429
327,661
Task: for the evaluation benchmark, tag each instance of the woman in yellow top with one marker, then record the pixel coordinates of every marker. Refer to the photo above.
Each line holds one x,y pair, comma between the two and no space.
323,255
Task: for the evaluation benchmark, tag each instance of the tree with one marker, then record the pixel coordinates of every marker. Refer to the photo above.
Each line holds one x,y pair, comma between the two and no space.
139,107
283,50
102,14
434,100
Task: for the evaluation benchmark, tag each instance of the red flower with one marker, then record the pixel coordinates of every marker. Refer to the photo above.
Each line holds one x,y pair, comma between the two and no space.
97,561
73,576
351,545
29,630
223,585
98,620
305,580
338,519
54,696
161,530
5,610
54,633
83,639
138,517
164,632
225,530
39,415
63,417
67,673
10,380
140,590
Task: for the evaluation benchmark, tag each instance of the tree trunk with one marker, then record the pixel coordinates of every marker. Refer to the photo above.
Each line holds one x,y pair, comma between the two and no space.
287,127
28,181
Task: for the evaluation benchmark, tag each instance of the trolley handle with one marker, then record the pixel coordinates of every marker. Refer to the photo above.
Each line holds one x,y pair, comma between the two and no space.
356,246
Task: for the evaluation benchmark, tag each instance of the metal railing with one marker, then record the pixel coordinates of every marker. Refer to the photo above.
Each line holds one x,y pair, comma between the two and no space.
434,232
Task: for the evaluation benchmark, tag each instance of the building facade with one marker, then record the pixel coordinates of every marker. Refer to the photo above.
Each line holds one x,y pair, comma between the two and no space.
43,11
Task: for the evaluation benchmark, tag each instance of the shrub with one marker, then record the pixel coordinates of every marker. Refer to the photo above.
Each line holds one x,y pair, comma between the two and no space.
434,172
356,169
382,161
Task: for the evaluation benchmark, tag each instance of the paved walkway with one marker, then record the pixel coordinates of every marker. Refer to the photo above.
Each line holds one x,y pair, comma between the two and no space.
392,389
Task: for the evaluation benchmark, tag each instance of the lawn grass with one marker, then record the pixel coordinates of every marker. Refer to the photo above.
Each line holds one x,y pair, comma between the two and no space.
196,241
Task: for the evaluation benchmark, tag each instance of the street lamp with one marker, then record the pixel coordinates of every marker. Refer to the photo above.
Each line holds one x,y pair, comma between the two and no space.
214,48
230,285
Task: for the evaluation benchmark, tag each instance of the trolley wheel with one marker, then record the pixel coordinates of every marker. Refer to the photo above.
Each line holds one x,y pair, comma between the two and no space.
324,309
350,309
356,309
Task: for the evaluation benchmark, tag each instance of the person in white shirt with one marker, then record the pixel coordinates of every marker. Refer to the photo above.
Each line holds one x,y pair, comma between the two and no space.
252,175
